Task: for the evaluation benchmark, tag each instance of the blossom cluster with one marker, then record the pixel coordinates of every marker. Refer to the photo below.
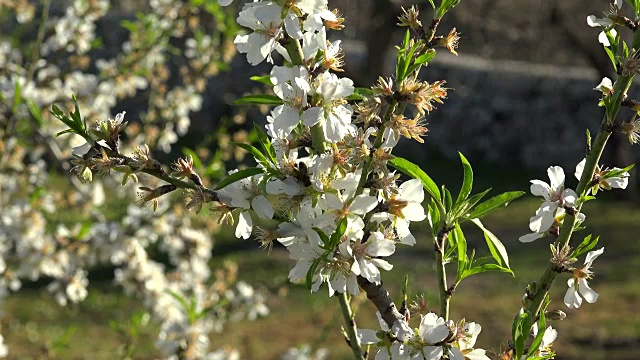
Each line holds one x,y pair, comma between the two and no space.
325,174
35,244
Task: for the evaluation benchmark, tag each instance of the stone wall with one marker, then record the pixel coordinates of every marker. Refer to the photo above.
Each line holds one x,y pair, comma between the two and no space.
511,112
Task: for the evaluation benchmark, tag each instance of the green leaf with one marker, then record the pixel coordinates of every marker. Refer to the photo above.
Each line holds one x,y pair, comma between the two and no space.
485,208
413,170
432,4
311,272
263,99
237,176
535,344
17,96
587,244
612,57
467,181
265,143
254,151
448,202
325,239
520,332
461,245
359,94
35,112
265,79
497,249
482,269
68,131
337,235
426,57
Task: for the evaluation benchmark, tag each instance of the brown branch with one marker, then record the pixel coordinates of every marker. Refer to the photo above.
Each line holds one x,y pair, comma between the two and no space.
379,296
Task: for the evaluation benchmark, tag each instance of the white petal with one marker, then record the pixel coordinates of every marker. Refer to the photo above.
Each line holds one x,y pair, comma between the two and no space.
569,197
541,222
455,354
245,225
362,204
571,298
312,116
550,335
586,292
292,25
412,191
580,169
82,149
540,188
367,336
477,354
556,175
414,212
377,245
593,21
432,352
592,255
262,207
382,264
530,237
618,182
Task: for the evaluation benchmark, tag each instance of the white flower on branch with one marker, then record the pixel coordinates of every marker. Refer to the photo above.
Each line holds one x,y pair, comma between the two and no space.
330,108
601,180
555,196
246,195
264,18
433,330
578,286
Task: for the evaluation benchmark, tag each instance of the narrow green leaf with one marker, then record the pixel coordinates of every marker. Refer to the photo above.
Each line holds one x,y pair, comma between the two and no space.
521,333
426,57
36,114
255,152
535,344
337,235
587,245
467,181
237,176
17,96
612,57
325,239
484,268
485,208
68,131
265,143
359,94
263,99
497,249
413,170
265,79
461,245
448,202
312,272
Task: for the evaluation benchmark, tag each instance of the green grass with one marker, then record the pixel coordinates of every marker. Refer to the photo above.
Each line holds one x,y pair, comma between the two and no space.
605,330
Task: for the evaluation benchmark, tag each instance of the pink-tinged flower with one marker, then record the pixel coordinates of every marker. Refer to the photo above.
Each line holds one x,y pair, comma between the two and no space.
578,286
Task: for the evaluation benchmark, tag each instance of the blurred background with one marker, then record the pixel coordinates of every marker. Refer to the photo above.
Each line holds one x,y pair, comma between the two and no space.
521,99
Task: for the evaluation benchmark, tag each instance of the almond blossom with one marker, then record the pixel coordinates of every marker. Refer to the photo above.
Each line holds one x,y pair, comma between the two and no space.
578,286
555,196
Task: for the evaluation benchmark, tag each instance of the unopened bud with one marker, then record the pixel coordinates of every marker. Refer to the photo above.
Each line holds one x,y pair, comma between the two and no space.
555,315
